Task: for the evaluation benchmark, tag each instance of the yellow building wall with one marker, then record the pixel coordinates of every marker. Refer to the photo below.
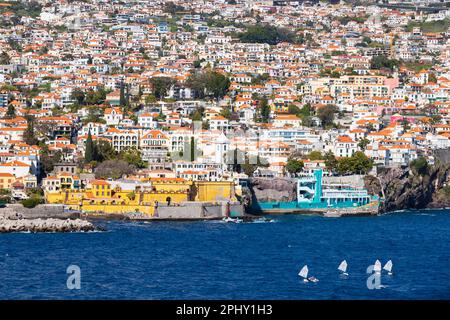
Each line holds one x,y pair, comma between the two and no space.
117,209
114,205
171,186
161,197
54,198
214,190
120,201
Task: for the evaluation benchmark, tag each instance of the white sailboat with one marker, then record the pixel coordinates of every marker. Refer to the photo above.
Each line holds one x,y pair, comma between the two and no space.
388,267
377,266
343,267
304,273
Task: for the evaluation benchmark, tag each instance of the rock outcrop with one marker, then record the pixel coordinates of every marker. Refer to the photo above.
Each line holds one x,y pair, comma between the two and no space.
268,190
404,188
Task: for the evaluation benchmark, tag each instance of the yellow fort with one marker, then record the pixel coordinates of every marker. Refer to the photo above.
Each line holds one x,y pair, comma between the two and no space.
119,197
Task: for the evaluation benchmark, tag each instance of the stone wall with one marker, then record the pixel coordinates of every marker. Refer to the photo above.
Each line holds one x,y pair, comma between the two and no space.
40,211
198,210
353,180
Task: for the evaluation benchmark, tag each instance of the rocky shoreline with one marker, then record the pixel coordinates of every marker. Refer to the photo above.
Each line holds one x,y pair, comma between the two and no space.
13,221
44,225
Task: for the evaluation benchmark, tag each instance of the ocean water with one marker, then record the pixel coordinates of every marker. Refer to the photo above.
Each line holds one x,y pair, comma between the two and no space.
217,260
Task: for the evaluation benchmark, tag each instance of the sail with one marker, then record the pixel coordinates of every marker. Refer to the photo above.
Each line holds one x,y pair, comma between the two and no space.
304,272
388,266
377,266
343,266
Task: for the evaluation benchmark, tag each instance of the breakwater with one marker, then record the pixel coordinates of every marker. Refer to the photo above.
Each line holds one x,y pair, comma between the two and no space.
44,225
43,218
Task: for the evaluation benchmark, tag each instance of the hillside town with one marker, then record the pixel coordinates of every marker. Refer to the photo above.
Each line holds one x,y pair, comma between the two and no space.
182,97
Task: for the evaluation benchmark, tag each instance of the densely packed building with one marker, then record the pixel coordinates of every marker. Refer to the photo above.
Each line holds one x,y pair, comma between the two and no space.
216,90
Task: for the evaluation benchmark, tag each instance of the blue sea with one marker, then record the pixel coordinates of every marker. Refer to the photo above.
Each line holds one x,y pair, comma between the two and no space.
218,260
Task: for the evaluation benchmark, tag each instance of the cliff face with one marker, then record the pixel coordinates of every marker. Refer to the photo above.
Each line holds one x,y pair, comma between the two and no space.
403,188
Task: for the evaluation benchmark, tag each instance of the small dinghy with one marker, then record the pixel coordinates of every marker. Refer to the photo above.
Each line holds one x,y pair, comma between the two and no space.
343,268
304,273
388,267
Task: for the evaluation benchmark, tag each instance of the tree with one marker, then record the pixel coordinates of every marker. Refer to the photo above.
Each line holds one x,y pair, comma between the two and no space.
133,157
262,33
78,95
104,151
197,115
315,155
11,112
192,149
226,113
28,135
4,58
294,166
172,8
208,83
89,154
150,99
96,97
358,163
123,101
248,169
264,110
260,78
293,109
363,143
419,165
330,161
32,202
197,64
94,115
48,159
114,169
161,86
383,62
217,84
326,114
335,74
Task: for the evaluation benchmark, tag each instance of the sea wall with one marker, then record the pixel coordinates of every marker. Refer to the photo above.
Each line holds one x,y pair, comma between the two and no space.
42,211
198,210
